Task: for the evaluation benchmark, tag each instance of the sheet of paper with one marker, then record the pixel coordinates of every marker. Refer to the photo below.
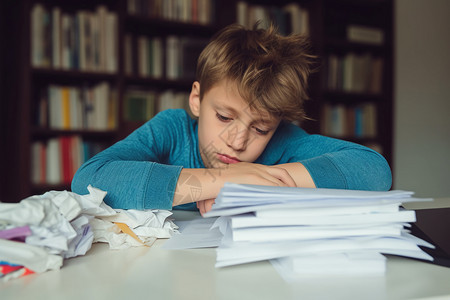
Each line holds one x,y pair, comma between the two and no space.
284,233
195,234
244,221
317,204
245,252
233,195
335,264
292,211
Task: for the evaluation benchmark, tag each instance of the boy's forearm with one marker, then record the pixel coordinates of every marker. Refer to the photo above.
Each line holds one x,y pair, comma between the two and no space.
299,173
196,185
202,184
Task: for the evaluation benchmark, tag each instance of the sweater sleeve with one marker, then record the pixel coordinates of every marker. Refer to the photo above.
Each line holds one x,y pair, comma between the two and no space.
134,172
334,163
350,167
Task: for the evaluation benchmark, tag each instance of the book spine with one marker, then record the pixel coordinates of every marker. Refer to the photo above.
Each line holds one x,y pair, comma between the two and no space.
65,107
56,37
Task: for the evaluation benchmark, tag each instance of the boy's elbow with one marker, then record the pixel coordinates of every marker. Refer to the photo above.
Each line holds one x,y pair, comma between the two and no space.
387,182
380,179
384,182
78,185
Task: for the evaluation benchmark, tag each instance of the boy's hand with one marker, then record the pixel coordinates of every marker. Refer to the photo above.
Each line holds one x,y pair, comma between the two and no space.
212,180
205,205
251,173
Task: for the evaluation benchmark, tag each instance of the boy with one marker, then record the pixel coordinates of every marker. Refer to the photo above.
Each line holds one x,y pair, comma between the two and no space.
251,85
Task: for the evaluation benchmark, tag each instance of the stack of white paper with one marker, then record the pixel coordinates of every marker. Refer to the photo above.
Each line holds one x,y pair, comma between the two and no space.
314,231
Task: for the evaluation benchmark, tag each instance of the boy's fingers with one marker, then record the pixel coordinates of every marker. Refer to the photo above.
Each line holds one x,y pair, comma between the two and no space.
284,176
201,207
209,204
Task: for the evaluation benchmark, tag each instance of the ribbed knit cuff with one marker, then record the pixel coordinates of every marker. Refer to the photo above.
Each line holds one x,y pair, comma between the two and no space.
161,186
324,173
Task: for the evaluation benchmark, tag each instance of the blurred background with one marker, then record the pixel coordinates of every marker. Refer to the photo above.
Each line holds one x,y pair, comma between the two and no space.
77,76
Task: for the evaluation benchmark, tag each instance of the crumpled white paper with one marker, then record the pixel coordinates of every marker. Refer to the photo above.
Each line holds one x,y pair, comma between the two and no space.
66,224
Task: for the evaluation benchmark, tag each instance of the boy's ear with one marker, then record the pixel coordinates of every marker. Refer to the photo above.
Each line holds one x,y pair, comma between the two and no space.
194,99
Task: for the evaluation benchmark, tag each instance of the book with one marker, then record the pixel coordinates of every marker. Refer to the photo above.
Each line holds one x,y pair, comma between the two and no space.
128,54
190,50
173,57
53,162
111,42
299,18
170,99
66,160
37,34
139,105
37,167
157,58
365,34
56,37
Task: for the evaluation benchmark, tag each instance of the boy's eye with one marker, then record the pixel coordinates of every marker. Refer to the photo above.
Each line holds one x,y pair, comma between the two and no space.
260,131
222,118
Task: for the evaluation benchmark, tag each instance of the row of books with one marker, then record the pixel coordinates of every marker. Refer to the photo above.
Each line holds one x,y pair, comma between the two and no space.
171,57
355,73
84,40
190,11
349,121
141,105
75,108
56,160
291,18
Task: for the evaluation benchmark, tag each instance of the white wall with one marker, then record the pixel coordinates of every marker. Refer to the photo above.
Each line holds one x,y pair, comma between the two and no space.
422,97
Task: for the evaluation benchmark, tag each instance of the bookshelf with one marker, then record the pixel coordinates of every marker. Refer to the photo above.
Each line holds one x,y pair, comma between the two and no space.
352,91
145,69
83,72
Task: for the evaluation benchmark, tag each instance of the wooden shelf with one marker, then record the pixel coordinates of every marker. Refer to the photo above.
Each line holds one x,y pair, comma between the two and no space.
348,97
343,45
179,84
38,189
42,133
162,26
60,74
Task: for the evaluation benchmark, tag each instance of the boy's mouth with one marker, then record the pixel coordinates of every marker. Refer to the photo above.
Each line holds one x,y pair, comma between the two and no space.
227,159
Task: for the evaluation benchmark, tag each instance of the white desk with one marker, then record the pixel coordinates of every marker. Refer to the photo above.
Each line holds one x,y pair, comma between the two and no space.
156,273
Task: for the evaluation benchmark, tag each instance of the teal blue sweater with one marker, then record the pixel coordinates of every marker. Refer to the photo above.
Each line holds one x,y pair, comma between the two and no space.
141,171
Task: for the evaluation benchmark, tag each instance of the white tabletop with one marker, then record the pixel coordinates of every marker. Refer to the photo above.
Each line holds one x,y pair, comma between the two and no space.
156,273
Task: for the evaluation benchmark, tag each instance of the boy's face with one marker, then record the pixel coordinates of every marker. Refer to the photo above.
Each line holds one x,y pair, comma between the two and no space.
228,130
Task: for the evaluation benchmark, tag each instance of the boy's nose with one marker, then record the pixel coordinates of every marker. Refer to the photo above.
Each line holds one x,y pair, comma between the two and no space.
238,136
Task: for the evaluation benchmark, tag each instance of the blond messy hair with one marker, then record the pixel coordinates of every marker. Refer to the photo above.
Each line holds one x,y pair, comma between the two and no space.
270,70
